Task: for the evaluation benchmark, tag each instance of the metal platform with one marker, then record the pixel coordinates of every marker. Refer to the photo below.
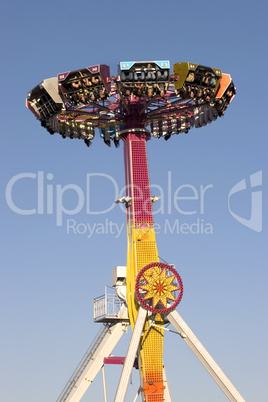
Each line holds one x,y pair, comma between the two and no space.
107,308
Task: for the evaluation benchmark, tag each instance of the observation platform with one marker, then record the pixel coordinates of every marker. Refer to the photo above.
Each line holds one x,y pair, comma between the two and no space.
107,307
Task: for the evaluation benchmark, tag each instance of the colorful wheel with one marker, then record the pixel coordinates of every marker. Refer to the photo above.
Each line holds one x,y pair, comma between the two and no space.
159,288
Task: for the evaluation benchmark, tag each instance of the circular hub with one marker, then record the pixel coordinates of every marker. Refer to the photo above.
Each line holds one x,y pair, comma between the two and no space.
159,288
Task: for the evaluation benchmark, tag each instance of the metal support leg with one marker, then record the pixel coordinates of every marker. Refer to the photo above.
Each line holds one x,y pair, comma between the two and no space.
92,362
131,354
137,395
204,357
104,384
167,394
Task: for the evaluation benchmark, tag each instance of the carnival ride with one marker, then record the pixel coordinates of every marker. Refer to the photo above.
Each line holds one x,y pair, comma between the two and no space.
144,97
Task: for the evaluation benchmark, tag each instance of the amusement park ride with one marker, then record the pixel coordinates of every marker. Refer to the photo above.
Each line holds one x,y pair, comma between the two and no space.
146,292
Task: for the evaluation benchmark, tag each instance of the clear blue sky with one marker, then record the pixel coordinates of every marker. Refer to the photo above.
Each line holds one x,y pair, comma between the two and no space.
49,277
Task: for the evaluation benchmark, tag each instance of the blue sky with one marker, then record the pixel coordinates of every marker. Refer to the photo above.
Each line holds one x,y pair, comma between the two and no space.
50,274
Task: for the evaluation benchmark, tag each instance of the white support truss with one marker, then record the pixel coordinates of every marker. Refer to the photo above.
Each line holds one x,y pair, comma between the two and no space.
92,362
167,394
107,339
131,354
204,357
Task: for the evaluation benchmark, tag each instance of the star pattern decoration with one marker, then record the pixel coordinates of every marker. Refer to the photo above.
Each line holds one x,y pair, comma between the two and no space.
158,286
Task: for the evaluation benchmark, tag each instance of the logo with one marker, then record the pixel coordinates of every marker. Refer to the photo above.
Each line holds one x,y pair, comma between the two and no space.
185,204
255,220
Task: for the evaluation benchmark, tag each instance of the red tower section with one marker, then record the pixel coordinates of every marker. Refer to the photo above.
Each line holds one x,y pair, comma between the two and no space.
137,180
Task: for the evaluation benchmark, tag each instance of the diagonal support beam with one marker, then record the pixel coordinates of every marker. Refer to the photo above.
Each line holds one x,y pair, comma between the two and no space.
92,362
167,394
131,354
204,357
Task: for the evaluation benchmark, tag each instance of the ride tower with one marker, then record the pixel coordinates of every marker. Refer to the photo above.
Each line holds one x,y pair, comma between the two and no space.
144,99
